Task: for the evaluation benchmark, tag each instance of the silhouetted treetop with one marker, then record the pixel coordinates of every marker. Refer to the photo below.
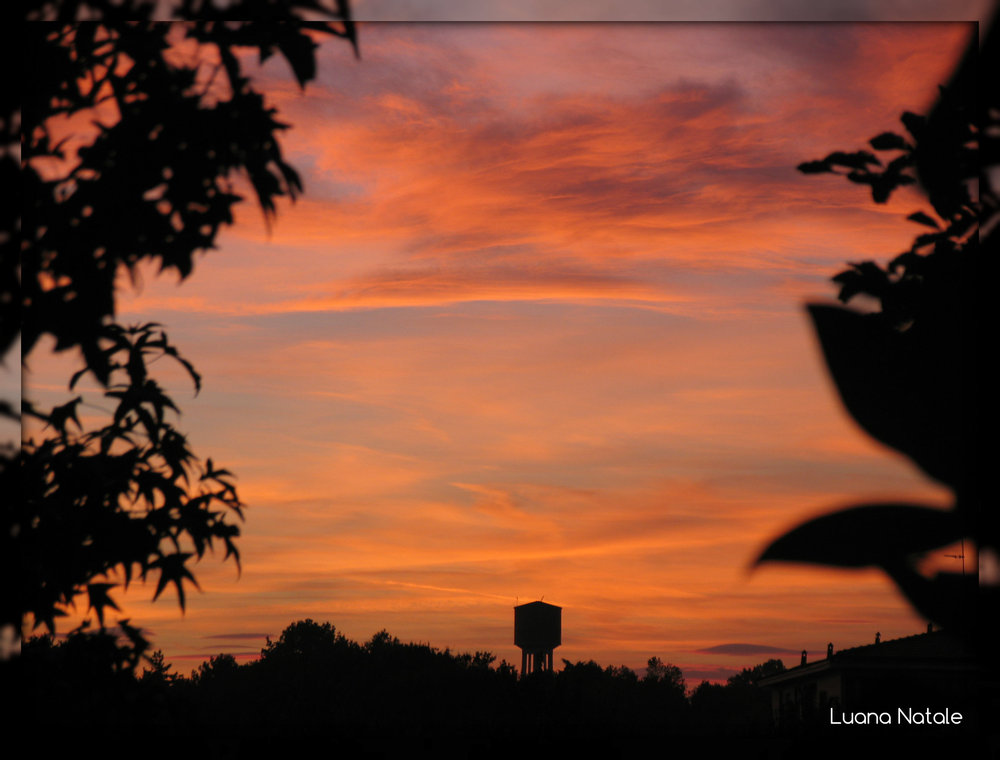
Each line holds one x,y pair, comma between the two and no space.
304,638
752,676
663,673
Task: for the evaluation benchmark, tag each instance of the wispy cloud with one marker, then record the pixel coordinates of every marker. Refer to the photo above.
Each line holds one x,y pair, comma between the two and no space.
238,636
748,650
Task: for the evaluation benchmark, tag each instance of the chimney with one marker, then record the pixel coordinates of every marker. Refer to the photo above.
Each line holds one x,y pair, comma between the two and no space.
803,657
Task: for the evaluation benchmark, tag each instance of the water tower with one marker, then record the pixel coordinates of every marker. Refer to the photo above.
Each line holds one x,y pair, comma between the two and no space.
537,631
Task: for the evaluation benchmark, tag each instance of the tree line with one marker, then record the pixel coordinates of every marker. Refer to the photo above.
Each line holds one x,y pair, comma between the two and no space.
379,697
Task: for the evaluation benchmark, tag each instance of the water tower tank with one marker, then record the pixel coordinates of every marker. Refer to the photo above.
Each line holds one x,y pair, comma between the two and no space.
537,631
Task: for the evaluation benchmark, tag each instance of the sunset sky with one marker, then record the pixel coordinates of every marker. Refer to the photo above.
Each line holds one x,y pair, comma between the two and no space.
536,329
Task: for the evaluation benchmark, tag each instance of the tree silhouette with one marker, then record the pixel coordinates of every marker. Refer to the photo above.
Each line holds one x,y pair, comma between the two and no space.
659,672
136,134
752,676
159,670
302,639
217,668
909,371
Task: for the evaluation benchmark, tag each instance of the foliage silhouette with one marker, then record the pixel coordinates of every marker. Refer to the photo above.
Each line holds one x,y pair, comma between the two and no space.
159,670
217,668
117,501
907,372
154,180
301,639
752,676
740,707
661,673
136,135
386,698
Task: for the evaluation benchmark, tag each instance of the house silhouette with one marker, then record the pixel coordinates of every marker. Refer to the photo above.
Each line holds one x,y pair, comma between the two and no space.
933,670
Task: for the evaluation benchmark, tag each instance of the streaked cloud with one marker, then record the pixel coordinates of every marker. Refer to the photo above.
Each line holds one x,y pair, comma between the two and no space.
748,650
238,636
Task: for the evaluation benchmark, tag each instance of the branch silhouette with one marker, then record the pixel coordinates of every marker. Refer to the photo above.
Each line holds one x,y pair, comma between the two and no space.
136,134
907,372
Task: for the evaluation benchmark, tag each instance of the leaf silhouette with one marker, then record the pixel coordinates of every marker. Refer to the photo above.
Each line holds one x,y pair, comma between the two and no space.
863,536
814,167
896,386
860,159
173,570
61,415
949,599
889,141
921,218
98,599
908,372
